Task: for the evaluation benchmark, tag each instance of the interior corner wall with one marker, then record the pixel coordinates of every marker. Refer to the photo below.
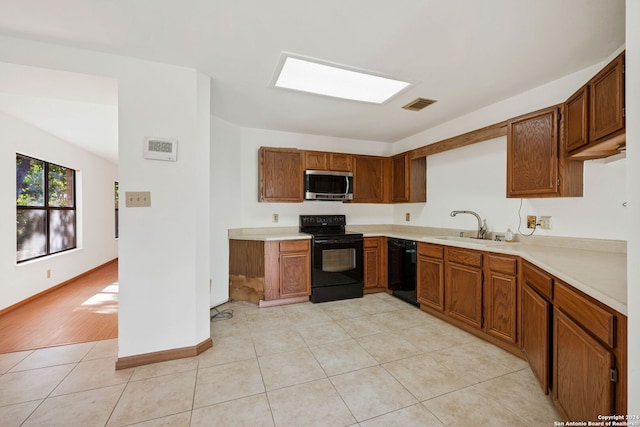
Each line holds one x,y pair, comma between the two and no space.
474,177
95,210
225,202
158,247
633,200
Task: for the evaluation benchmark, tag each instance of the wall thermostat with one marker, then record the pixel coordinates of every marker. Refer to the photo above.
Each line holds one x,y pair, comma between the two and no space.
161,149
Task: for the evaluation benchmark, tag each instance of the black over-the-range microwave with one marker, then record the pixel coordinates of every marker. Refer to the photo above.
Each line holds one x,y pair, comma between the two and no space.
328,185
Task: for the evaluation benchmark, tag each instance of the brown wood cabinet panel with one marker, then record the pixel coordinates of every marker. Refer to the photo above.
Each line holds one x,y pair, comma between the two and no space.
400,178
430,286
368,179
597,320
408,179
315,160
532,154
582,389
465,257
374,263
577,119
430,250
503,264
281,175
606,96
295,278
340,162
537,279
463,293
536,165
501,311
536,334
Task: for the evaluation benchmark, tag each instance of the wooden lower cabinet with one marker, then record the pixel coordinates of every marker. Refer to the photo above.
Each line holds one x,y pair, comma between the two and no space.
501,295
463,286
535,339
374,263
430,275
287,269
582,386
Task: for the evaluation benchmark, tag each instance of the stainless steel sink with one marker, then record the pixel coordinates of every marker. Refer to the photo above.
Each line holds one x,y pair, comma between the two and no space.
469,240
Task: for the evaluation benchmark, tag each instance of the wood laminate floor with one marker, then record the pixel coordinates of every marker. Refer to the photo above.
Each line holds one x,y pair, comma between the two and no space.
81,311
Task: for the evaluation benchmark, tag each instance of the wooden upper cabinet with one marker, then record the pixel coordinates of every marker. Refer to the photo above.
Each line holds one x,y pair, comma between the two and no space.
368,179
315,160
536,166
400,178
577,119
595,122
281,175
606,115
340,162
322,160
408,179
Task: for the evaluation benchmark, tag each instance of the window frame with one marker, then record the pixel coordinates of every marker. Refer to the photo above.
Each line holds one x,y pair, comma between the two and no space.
48,209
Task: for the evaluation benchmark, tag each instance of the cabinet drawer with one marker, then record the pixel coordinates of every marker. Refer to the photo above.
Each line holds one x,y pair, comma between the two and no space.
371,242
594,318
473,259
537,279
432,251
294,245
503,264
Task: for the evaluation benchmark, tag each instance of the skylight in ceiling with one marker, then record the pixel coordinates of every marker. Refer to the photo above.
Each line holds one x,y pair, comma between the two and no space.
314,77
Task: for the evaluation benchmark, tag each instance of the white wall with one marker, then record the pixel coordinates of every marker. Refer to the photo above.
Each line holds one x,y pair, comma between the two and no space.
633,195
474,177
95,211
163,249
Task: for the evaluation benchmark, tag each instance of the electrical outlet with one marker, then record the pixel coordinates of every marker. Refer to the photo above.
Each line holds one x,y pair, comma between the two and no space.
531,221
276,217
48,274
407,217
545,222
137,199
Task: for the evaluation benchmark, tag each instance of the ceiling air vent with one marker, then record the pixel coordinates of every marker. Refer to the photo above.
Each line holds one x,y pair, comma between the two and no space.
418,104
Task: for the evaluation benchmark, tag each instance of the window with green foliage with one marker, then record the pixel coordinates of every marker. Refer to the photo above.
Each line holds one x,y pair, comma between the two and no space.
45,208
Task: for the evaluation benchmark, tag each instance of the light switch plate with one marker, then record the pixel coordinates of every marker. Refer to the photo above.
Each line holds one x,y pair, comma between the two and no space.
137,199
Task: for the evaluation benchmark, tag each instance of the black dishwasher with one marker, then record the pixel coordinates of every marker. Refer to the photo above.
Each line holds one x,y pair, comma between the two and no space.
402,269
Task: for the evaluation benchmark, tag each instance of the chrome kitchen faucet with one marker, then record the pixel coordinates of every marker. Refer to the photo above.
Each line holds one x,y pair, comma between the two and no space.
482,228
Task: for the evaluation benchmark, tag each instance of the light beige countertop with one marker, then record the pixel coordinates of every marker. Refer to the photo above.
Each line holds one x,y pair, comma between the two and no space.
596,267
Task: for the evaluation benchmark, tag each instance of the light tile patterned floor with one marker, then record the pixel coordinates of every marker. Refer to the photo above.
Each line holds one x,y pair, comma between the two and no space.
373,361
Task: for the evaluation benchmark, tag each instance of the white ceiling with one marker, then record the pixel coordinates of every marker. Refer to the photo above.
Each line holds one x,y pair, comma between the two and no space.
464,53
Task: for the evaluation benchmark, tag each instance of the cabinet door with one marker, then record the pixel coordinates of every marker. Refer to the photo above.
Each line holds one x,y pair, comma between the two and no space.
535,334
295,270
368,177
582,388
430,273
576,116
315,160
372,263
400,179
340,162
281,177
501,310
607,101
532,154
464,293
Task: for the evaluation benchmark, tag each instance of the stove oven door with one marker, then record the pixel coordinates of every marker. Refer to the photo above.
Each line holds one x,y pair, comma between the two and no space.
336,261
